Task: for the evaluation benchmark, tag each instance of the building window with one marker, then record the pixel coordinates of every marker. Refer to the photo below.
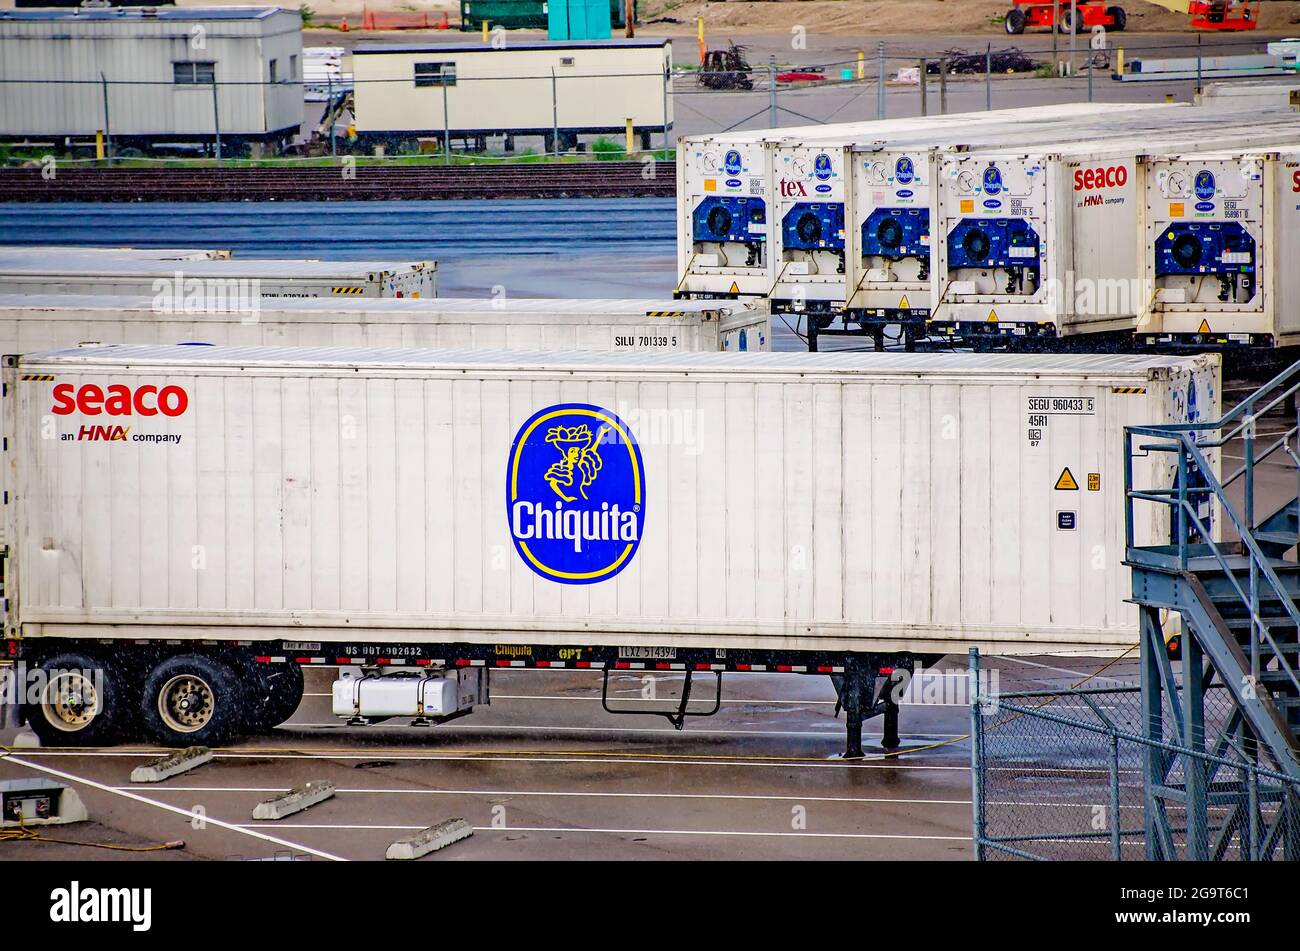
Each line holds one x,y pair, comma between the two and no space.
274,77
435,74
293,67
194,74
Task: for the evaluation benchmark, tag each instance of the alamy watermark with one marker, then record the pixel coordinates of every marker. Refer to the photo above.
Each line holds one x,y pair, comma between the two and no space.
179,294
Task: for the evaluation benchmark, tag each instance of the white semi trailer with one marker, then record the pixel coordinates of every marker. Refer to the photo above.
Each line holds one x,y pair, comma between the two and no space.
39,322
246,280
190,526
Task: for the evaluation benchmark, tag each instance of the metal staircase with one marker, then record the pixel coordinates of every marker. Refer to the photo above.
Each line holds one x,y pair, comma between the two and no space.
1237,598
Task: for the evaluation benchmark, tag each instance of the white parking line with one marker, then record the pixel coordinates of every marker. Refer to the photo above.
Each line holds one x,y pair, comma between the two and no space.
526,793
703,832
166,807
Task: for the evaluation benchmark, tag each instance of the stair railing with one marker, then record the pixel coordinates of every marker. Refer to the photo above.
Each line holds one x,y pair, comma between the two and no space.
1190,441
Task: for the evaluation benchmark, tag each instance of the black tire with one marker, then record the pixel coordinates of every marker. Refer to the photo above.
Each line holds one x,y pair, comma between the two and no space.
274,695
1119,19
1067,22
84,701
192,700
1015,21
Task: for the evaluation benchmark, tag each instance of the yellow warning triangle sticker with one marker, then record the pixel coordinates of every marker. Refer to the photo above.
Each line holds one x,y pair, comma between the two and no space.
1066,481
903,303
1204,328
735,288
993,316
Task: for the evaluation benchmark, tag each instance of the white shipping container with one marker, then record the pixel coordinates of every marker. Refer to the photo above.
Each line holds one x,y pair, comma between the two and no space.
63,252
1222,238
42,322
213,285
1045,241
769,503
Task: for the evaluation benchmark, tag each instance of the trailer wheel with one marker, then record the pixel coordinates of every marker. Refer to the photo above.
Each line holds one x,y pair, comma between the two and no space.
279,691
1067,22
82,701
1119,19
191,700
1015,21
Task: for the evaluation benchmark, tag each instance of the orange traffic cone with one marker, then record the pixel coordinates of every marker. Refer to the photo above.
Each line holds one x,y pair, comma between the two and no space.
343,27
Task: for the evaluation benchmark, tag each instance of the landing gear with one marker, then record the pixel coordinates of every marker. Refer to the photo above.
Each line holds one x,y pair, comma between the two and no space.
869,688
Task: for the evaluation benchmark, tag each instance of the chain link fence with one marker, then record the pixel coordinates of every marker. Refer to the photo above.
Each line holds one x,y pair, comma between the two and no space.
1061,775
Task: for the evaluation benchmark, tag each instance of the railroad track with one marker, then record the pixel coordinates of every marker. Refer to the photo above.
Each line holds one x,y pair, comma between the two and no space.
335,183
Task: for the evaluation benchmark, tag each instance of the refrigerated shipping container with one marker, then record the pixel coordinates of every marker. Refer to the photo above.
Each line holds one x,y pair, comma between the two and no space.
1045,242
726,228
225,515
1222,240
211,284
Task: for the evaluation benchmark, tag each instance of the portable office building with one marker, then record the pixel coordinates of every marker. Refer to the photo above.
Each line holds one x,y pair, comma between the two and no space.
144,75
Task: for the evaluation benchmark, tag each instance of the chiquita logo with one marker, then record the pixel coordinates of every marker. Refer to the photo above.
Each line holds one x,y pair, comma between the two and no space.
575,493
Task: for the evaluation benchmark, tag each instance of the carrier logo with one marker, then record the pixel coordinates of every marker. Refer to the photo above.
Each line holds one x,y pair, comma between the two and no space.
822,166
992,180
1204,185
731,163
575,493
904,170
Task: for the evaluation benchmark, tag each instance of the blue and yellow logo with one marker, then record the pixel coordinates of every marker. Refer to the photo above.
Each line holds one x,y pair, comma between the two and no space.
575,493
1204,185
822,166
904,170
992,180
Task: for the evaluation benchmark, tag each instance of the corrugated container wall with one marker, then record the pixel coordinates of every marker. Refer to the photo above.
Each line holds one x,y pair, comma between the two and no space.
783,501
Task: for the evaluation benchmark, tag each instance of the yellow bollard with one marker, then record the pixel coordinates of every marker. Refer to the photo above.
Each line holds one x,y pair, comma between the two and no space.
485,31
630,138
699,24
99,143
862,65
1119,61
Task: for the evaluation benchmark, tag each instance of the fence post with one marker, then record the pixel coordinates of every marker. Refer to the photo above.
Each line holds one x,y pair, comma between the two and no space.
446,125
555,114
216,117
1090,76
880,92
1074,31
924,90
943,87
1199,88
1115,841
771,93
329,111
988,77
108,128
976,755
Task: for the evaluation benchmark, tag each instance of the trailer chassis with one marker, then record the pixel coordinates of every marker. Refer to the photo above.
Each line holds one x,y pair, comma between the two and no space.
866,684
